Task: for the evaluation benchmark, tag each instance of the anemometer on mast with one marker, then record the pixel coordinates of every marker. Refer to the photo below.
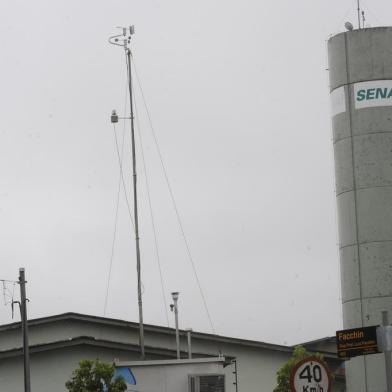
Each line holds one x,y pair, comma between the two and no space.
124,41
126,35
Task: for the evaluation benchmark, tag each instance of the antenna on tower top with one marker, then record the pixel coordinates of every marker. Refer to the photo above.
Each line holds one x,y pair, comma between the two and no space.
363,19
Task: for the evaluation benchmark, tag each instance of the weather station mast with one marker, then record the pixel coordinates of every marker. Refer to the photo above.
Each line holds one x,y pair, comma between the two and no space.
124,40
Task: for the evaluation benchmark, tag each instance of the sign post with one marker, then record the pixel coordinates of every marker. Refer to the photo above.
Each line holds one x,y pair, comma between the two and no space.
310,375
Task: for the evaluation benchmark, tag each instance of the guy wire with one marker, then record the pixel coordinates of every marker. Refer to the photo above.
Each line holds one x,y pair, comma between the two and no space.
120,181
188,251
152,215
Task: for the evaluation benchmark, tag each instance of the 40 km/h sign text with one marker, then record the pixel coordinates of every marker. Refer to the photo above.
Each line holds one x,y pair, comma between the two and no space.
310,375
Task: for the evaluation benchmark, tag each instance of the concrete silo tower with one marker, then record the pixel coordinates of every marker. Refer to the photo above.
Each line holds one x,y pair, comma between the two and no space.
360,67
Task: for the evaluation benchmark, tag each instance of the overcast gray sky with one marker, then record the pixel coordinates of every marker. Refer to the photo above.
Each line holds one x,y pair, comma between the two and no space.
238,94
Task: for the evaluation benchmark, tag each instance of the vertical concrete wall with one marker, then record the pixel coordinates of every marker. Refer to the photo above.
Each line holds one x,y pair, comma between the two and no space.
362,137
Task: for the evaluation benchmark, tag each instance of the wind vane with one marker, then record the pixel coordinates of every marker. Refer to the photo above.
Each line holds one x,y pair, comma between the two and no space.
123,39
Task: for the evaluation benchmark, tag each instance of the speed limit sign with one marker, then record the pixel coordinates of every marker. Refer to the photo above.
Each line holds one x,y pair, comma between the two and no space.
310,375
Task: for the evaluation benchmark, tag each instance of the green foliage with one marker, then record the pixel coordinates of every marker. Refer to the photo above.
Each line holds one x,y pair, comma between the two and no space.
91,376
283,374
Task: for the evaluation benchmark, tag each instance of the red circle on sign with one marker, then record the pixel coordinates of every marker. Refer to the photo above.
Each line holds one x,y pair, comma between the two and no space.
299,364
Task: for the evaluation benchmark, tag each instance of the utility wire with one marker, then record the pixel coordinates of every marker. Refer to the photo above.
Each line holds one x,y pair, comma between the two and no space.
152,216
174,202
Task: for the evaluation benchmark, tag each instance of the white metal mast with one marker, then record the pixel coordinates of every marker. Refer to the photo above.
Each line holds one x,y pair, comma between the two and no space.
124,40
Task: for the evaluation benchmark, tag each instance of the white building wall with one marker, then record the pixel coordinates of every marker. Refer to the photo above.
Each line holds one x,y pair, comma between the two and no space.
257,366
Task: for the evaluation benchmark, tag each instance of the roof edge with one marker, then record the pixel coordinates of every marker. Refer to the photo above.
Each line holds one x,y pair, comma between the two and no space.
147,328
